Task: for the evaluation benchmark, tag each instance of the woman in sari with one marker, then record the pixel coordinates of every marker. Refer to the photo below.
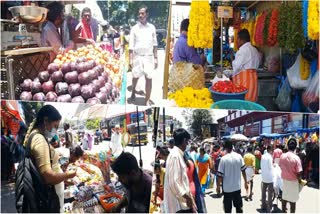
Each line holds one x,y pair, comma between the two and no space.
204,163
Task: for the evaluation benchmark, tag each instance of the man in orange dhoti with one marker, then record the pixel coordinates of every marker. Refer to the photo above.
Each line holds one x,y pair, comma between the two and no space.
244,66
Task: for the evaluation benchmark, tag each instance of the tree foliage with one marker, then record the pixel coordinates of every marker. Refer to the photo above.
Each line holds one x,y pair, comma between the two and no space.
126,12
196,118
93,124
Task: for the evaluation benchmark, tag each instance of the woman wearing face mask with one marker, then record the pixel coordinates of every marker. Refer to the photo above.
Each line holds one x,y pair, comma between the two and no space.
204,163
41,131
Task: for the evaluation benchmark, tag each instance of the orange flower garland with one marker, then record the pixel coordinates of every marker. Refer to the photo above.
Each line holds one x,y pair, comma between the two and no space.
273,28
259,36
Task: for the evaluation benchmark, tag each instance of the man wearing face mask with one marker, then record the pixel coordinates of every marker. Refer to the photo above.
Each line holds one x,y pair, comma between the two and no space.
84,32
40,133
138,182
177,194
143,57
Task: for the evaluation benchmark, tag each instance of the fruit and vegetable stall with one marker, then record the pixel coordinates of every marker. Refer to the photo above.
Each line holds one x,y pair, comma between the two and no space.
288,75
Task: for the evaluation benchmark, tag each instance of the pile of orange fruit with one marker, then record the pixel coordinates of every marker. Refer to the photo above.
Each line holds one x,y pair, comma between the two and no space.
91,52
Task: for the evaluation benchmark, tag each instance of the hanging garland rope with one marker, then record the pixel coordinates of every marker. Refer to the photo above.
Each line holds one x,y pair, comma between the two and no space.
215,21
273,28
290,30
266,27
259,33
200,22
313,19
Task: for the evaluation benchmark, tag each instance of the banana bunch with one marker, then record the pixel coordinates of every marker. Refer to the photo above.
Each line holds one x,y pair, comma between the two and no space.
304,69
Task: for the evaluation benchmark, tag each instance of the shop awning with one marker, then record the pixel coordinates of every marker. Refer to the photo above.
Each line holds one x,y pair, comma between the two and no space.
252,117
10,108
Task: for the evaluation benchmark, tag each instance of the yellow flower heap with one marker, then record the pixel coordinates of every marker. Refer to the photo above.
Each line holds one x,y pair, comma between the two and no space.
200,22
313,19
192,98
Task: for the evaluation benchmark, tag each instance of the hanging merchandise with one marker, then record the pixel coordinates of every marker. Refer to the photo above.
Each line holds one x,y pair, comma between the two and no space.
310,97
290,34
258,37
296,104
283,100
273,28
235,38
266,27
199,36
215,21
313,20
304,69
305,4
293,75
310,51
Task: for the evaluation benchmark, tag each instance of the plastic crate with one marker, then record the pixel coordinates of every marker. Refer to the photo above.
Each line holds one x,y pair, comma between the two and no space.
238,104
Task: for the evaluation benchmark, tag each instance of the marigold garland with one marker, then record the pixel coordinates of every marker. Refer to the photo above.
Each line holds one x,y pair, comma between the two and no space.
304,69
273,28
199,36
259,36
215,21
313,19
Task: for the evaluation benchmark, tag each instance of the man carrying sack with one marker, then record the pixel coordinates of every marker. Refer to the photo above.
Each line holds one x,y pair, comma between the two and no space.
245,65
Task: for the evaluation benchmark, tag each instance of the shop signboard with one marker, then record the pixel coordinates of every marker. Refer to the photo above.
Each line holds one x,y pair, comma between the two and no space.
252,130
313,120
225,12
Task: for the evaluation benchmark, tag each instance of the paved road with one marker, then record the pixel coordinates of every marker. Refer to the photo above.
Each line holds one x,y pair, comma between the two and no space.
308,202
157,83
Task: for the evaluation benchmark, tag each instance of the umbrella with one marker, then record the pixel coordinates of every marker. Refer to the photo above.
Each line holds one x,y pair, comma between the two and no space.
239,137
209,140
254,138
98,111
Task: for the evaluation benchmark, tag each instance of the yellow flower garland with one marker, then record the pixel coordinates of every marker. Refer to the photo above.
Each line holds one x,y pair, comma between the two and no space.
313,19
199,36
304,69
192,98
216,22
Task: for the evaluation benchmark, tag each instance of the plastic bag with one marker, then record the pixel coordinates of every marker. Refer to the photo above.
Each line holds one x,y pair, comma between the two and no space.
217,79
283,100
310,97
296,104
273,63
293,74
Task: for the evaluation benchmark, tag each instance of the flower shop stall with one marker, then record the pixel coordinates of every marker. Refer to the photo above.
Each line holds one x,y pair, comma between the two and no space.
286,35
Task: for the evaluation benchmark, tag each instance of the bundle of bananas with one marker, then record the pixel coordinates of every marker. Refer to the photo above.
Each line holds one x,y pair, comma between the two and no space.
304,69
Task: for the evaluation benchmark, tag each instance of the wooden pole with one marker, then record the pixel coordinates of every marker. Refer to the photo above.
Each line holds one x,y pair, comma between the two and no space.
166,59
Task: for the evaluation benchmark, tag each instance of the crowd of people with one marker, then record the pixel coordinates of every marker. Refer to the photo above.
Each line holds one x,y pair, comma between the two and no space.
185,169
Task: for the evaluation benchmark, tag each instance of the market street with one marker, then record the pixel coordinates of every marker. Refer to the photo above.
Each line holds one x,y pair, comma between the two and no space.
307,201
147,152
157,82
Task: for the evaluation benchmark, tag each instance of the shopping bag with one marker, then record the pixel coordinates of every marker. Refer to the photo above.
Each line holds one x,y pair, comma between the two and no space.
293,74
283,100
310,97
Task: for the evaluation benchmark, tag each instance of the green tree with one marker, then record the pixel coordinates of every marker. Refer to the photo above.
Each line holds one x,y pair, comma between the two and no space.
93,124
196,118
125,12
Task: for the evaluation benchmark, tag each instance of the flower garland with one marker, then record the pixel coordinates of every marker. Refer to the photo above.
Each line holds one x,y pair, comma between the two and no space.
313,20
254,30
259,35
199,36
290,30
304,69
273,28
266,27
235,39
305,5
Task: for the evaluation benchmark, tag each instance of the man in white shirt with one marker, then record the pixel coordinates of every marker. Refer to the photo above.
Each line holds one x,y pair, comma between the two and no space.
230,168
177,195
267,179
51,35
115,144
143,53
244,66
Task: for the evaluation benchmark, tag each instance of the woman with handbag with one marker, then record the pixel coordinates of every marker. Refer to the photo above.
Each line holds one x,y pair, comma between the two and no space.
45,158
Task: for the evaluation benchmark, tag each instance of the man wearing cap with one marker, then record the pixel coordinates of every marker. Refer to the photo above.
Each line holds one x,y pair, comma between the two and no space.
115,144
